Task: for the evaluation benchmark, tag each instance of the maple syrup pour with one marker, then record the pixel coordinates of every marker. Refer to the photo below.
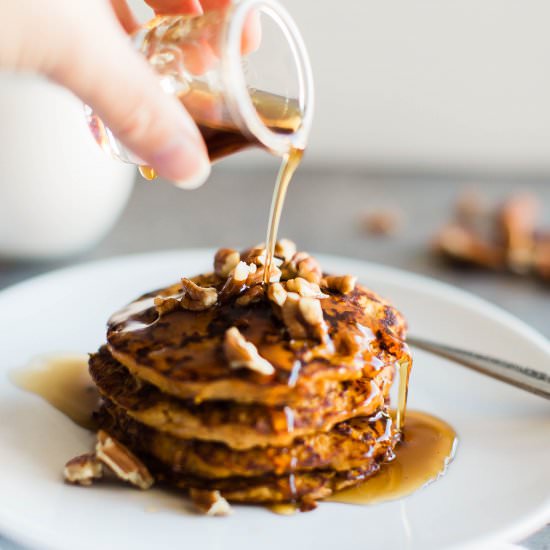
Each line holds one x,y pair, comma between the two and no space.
64,382
423,455
288,167
404,369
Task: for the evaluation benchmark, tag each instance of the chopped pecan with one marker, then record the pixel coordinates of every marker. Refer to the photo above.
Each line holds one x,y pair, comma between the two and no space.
518,218
237,280
257,277
225,260
344,284
83,469
541,262
197,298
383,222
166,304
462,244
302,265
243,354
210,503
303,317
122,461
304,288
276,293
250,296
285,250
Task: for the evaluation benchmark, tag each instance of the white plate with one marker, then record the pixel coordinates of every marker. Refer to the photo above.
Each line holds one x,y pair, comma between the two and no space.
497,489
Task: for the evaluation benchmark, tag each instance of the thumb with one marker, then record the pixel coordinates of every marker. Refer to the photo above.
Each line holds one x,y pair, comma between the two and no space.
123,90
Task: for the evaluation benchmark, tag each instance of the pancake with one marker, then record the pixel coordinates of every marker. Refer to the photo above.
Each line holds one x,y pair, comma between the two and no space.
266,387
349,445
239,425
299,488
181,352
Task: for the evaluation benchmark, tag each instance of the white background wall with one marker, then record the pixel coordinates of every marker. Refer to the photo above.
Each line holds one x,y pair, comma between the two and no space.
438,84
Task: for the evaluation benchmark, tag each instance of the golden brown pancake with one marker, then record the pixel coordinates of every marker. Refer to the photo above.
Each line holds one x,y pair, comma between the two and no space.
270,391
181,352
239,425
349,445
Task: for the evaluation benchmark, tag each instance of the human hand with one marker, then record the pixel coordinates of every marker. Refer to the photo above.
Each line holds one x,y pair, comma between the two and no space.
84,47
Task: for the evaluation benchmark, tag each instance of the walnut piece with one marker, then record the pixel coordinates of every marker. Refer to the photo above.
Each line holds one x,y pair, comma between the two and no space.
383,222
225,260
166,304
237,280
285,249
122,461
303,317
518,218
243,354
462,244
276,293
252,295
83,469
197,298
344,283
210,503
304,288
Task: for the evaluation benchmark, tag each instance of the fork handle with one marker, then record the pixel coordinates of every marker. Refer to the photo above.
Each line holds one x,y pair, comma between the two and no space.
525,378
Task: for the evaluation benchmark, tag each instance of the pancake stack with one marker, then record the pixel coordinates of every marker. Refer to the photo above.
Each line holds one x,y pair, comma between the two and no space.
247,391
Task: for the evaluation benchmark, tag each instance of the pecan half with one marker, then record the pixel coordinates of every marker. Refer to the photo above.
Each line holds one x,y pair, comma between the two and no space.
237,280
518,218
243,354
122,461
251,296
285,249
166,304
225,260
303,317
210,503
462,244
276,293
304,288
197,298
83,469
344,284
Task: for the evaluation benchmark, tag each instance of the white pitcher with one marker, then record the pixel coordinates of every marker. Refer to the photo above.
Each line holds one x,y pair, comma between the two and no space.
59,193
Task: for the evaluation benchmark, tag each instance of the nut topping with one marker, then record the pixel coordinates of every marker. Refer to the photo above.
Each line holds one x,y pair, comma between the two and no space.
122,461
276,293
83,469
197,298
166,304
307,267
285,250
225,260
344,284
303,317
304,288
210,503
243,354
252,295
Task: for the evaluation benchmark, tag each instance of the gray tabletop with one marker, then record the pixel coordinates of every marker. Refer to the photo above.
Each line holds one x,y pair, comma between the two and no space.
323,214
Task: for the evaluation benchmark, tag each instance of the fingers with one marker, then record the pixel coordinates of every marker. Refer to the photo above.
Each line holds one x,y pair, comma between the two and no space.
176,7
125,16
119,85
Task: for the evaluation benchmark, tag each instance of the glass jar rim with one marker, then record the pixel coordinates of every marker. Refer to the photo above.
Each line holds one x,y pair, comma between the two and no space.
240,103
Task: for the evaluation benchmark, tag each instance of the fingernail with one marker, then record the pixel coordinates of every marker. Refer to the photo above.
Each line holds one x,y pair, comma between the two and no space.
185,163
197,180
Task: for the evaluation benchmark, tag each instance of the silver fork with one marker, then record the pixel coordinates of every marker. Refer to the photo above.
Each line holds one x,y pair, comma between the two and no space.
522,377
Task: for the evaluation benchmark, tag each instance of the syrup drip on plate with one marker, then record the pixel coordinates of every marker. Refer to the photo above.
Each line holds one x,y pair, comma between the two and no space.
64,382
